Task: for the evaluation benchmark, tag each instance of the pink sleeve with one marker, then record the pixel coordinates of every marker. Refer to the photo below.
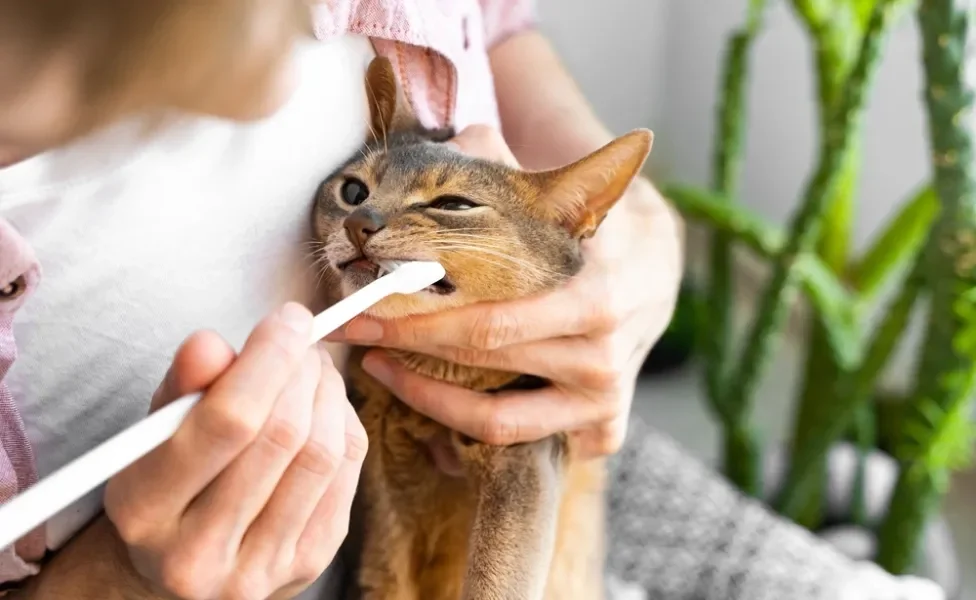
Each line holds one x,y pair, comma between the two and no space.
504,18
19,275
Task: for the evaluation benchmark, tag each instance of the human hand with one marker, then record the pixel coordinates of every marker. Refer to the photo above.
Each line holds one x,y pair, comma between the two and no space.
589,337
251,496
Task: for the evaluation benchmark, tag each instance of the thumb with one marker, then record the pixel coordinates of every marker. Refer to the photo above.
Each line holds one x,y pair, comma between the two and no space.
200,360
485,142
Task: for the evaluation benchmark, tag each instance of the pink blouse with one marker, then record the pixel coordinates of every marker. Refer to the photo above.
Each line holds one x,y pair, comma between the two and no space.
440,50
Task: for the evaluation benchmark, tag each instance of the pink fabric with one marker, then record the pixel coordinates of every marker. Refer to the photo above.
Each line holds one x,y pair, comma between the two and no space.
19,273
439,48
440,51
503,18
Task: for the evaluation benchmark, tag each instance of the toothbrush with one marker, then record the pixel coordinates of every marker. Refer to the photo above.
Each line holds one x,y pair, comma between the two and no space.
23,513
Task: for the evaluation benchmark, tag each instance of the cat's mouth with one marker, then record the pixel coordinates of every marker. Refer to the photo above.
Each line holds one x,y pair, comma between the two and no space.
366,270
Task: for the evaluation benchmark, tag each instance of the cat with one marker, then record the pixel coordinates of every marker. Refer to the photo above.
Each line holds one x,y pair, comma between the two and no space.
446,517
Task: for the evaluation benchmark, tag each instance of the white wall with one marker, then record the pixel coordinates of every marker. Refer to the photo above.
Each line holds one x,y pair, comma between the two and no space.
616,51
656,63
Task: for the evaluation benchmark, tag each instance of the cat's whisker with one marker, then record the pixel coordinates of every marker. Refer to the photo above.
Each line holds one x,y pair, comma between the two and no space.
530,269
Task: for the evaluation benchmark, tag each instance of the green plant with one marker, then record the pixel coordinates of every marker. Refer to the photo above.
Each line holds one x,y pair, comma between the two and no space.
929,249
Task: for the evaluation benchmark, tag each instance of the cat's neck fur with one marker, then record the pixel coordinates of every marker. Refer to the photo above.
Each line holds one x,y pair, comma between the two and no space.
474,378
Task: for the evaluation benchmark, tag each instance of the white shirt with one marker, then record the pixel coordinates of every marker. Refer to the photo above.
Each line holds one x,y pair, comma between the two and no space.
144,240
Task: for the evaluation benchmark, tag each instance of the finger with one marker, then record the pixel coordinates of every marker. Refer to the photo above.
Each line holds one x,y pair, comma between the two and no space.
484,142
501,419
488,326
226,508
227,419
199,361
576,362
329,524
270,543
602,439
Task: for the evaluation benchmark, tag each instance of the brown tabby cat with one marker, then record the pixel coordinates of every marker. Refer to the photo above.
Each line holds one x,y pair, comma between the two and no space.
447,517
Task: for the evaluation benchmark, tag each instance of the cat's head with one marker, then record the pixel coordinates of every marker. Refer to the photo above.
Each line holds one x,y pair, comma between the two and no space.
500,233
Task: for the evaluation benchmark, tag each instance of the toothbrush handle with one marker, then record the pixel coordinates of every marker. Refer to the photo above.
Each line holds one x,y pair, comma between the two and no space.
24,512
47,497
343,311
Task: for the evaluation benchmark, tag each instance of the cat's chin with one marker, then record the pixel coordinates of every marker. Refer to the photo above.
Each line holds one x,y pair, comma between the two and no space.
398,306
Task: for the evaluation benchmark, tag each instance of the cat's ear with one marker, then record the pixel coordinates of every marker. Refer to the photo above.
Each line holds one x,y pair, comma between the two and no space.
388,109
579,195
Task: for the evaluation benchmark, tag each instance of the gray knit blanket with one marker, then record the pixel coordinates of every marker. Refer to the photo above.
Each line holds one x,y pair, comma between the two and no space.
679,531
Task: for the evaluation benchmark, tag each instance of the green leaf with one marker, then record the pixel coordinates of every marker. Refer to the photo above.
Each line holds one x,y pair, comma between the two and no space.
897,245
814,13
835,308
941,440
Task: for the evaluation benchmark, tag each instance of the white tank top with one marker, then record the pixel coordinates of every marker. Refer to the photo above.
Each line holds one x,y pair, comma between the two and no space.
144,240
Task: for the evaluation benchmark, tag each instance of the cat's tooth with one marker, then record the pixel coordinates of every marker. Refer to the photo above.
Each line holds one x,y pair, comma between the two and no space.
388,266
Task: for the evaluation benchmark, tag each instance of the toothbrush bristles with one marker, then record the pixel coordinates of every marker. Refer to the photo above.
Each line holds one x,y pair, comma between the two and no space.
388,266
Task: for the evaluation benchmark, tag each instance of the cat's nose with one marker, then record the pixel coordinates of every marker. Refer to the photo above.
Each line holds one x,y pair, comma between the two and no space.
362,223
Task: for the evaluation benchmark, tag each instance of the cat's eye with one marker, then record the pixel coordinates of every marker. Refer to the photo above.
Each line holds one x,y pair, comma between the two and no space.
354,192
13,289
453,203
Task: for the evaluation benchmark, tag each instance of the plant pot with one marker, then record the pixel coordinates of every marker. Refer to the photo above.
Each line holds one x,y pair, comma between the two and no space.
938,560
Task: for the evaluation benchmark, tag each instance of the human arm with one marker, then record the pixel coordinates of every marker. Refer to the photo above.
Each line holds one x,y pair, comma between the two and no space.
249,498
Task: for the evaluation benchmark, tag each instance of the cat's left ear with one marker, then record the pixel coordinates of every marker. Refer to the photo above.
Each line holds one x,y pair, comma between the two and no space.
579,195
389,110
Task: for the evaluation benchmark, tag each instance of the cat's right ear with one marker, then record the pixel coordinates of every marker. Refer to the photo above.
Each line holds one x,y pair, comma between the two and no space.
579,195
388,109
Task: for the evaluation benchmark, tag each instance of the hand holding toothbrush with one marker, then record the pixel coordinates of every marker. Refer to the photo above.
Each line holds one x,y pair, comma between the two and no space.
250,497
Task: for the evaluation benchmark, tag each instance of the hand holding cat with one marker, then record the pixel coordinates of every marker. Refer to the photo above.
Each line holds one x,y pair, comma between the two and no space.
251,496
588,337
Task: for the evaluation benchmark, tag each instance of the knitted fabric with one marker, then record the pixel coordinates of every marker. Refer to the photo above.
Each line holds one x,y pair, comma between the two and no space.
678,531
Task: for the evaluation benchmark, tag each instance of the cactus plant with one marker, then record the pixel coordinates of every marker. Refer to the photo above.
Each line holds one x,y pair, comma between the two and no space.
929,248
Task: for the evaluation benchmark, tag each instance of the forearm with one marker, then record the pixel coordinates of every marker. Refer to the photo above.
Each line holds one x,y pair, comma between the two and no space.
548,122
545,118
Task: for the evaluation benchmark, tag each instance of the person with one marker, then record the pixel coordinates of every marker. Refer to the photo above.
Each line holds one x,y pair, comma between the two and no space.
160,160
158,163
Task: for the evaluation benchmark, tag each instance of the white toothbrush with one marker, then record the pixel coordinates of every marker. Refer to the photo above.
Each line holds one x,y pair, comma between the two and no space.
46,498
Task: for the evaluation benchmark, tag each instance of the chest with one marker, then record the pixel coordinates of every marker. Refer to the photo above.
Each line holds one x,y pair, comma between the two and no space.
205,225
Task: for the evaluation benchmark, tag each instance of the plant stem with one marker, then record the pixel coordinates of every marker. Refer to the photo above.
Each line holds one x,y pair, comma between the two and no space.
836,47
865,437
822,365
721,214
742,457
937,428
805,226
914,498
726,173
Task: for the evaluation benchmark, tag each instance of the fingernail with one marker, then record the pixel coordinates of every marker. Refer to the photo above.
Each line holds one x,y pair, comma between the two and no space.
296,317
452,146
378,368
363,331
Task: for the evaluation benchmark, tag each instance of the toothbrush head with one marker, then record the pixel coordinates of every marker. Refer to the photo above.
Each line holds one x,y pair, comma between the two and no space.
413,276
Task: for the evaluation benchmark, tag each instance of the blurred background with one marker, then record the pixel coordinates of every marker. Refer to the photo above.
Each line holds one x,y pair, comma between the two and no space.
656,63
